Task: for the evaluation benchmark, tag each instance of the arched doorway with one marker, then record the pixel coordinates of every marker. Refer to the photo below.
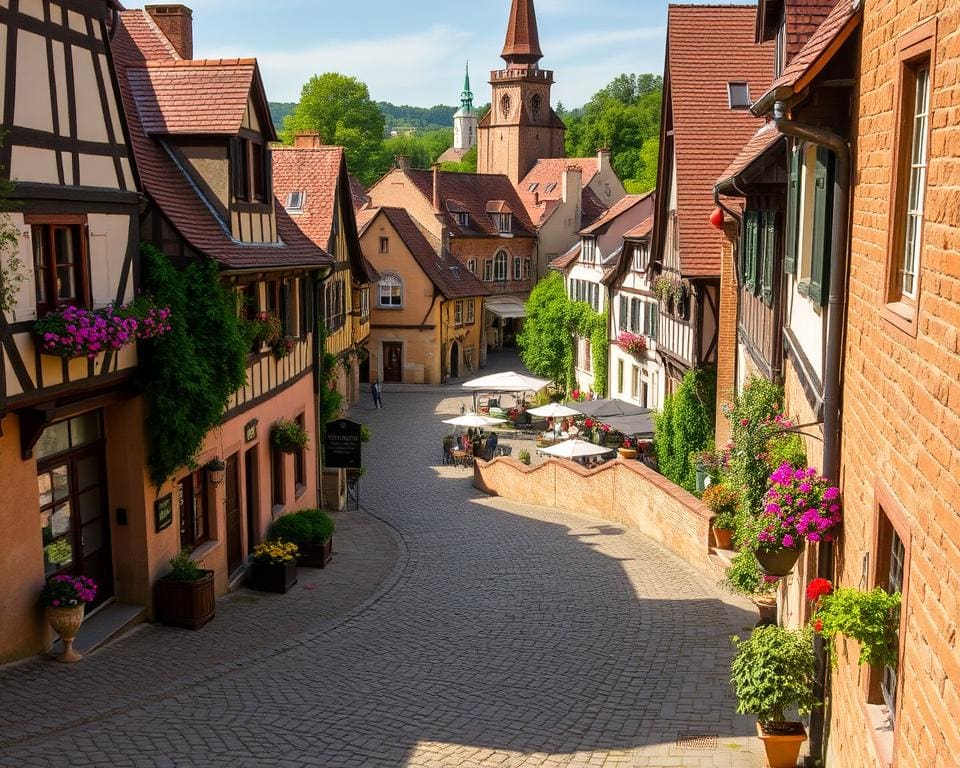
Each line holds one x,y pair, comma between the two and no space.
455,360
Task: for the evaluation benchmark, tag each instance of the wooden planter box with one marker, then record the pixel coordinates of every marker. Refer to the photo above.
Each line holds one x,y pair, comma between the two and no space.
316,555
268,577
189,604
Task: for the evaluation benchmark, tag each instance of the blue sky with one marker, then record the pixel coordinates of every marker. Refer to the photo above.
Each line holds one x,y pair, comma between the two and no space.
414,52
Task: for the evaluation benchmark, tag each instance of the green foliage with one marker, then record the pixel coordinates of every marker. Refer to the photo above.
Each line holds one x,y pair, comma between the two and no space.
685,426
279,111
422,119
11,266
723,501
773,672
870,618
467,165
624,116
183,567
786,448
311,526
365,433
190,372
524,457
288,436
340,109
546,339
422,149
744,577
753,410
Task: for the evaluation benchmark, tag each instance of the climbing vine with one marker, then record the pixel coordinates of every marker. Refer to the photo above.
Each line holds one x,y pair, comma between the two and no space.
190,373
685,426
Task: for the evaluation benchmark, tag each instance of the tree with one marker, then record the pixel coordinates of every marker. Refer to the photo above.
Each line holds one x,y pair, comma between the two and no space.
340,109
685,426
467,164
546,340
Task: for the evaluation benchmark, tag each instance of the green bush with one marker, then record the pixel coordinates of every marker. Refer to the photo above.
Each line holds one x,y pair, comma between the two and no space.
773,672
288,436
685,426
870,618
183,567
786,449
744,577
753,411
524,457
365,433
311,526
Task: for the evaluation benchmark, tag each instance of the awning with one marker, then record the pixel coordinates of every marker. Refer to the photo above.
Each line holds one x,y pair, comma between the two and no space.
505,307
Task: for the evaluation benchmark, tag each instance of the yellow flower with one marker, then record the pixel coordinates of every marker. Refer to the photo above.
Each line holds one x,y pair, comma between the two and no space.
275,552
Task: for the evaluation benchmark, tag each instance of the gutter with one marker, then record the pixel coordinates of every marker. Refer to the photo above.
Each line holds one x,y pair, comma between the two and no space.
832,374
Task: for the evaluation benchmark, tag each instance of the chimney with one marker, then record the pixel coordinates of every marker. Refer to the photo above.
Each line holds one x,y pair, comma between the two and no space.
436,187
603,159
176,23
403,162
572,184
307,140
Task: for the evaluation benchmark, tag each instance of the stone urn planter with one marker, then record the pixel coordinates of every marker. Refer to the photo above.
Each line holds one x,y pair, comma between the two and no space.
778,562
782,749
189,604
66,622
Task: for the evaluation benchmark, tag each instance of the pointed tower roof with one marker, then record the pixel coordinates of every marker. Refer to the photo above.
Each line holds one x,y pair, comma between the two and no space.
522,46
466,98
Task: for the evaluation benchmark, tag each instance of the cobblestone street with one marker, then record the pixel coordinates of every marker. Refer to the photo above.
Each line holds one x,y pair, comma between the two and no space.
450,630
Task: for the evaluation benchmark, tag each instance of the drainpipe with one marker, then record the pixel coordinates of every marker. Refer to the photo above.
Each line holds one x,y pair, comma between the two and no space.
739,278
832,373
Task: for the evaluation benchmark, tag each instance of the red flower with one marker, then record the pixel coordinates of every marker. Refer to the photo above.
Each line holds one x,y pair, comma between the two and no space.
818,588
818,625
588,423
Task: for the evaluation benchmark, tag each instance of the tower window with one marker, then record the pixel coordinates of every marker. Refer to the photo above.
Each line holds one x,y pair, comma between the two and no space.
536,105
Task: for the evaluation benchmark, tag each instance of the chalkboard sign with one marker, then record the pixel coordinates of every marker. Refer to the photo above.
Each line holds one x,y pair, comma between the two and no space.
163,512
341,447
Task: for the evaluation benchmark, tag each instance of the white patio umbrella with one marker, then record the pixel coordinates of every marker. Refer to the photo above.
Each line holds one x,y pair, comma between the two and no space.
507,382
575,449
474,420
553,411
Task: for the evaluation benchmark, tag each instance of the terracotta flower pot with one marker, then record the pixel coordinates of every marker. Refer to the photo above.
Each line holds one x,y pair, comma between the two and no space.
767,606
723,537
782,749
778,562
66,622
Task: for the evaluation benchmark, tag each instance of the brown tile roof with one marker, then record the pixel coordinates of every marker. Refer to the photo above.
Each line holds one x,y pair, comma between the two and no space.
547,175
818,50
567,259
640,231
360,196
620,207
450,277
192,97
522,44
707,48
471,193
174,194
759,145
803,18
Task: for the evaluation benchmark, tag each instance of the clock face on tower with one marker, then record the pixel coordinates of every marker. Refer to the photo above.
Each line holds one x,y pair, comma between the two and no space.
505,105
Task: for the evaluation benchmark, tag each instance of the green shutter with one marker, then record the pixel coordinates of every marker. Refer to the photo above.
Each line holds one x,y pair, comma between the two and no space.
822,226
769,240
624,313
750,233
793,214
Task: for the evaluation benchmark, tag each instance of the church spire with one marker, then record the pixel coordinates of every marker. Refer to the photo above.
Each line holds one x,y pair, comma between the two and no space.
522,46
466,98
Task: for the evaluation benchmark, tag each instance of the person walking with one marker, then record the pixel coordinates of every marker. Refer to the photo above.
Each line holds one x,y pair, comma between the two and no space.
376,389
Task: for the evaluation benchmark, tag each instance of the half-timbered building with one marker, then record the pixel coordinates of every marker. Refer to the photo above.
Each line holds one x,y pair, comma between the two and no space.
713,67
75,213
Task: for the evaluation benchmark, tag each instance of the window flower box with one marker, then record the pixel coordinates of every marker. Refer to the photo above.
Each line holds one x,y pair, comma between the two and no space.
632,343
72,332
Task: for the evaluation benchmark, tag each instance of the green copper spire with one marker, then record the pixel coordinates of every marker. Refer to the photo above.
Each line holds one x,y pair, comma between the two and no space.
466,98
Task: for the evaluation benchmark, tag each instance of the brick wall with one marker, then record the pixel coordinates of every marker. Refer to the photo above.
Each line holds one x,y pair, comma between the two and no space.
901,424
623,492
727,351
482,248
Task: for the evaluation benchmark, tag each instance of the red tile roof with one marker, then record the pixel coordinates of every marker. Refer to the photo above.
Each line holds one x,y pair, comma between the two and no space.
707,48
620,207
522,44
803,18
178,198
640,231
567,259
759,145
547,175
193,97
818,50
450,277
359,193
471,193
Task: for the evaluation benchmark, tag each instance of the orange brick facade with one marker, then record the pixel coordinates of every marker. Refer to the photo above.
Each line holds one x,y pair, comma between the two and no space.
727,332
901,423
479,249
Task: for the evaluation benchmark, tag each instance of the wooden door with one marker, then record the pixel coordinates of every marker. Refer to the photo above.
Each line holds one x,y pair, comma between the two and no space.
455,361
234,527
252,497
393,361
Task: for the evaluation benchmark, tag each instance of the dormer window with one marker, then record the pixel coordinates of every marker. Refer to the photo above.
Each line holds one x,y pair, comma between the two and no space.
463,219
503,222
641,257
588,250
295,201
550,187
739,95
251,170
533,186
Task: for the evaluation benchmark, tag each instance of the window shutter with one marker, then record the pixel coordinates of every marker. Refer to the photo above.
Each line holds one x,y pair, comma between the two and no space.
769,248
750,232
236,172
793,214
267,174
654,320
624,313
635,315
822,226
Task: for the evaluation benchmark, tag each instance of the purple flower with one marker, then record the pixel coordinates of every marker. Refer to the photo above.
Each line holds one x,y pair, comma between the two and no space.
788,541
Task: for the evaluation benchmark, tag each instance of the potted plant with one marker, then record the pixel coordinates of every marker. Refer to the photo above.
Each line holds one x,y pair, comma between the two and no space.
274,566
288,437
627,451
265,327
772,673
800,506
744,577
283,347
870,618
312,532
65,599
632,343
524,457
186,597
722,501
215,469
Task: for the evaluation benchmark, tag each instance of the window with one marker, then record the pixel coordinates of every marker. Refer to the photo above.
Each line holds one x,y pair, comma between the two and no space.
635,316
758,252
277,491
817,286
295,201
290,303
780,50
739,95
384,245
488,271
527,268
364,303
503,223
194,511
588,251
471,312
391,291
517,268
620,368
59,262
472,266
458,313
463,219
300,463
624,314
532,187
251,171
500,267
635,383
644,394
641,257
334,303
652,312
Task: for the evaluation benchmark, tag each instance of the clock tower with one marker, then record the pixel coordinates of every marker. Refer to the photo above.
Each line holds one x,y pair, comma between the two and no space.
521,126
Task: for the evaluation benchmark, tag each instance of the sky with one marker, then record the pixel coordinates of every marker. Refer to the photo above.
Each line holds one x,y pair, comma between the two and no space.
414,52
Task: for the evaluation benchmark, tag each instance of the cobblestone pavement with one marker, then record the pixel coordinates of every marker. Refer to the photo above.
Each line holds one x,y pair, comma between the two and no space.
476,632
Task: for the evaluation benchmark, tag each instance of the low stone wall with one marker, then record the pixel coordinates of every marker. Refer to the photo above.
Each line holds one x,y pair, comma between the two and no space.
625,492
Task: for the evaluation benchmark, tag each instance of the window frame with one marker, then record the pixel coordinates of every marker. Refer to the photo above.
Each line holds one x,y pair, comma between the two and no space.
48,224
501,261
458,313
300,462
189,539
916,50
278,490
471,312
384,245
399,285
739,105
517,269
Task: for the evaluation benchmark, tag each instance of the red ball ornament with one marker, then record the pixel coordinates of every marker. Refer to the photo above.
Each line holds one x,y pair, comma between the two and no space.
716,218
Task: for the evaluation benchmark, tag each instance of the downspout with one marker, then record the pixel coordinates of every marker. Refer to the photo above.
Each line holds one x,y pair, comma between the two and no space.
739,280
832,374
319,348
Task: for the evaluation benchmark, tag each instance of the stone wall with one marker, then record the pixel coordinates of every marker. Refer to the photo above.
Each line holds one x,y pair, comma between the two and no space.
624,492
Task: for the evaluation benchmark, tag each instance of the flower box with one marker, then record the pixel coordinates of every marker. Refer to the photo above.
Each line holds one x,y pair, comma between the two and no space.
316,555
273,577
189,604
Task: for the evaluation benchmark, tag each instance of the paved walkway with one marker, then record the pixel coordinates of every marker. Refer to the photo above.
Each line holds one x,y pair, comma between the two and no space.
452,630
